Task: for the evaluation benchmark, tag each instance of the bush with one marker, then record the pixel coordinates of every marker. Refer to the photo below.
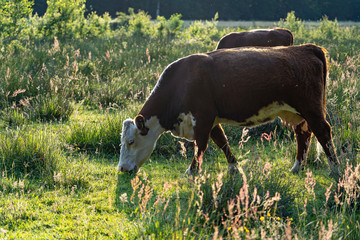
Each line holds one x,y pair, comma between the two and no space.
206,32
171,27
13,17
139,23
328,29
63,18
292,23
96,25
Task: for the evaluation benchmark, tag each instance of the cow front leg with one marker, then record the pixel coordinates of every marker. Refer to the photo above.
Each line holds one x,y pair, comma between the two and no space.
217,134
195,166
201,134
303,138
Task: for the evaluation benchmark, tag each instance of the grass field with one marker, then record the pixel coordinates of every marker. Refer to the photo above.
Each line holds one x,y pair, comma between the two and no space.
62,103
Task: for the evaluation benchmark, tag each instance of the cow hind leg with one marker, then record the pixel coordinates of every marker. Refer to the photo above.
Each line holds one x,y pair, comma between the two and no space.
322,131
303,138
218,136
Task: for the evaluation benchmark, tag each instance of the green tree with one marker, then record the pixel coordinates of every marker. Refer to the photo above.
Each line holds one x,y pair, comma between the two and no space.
13,16
64,18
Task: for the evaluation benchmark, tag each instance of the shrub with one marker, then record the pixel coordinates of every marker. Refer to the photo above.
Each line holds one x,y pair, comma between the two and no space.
13,14
96,25
328,29
171,27
139,23
204,31
292,23
63,18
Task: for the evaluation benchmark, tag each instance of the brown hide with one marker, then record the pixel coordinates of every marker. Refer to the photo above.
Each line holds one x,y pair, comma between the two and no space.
236,85
262,37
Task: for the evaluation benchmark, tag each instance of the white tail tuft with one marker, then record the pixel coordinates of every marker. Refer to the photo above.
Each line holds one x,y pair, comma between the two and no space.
319,150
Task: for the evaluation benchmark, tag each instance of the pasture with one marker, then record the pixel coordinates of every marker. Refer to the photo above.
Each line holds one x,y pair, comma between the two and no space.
62,103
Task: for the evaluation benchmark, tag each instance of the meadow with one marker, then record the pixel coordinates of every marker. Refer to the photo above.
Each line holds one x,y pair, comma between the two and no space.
65,90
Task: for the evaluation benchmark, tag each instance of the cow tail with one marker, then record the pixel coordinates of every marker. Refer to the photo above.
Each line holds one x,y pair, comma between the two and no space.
321,54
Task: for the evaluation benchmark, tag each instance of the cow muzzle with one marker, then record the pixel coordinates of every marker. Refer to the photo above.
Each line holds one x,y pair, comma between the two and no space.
125,170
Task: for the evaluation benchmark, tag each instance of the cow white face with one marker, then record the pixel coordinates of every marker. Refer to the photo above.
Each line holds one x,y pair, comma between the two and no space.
138,139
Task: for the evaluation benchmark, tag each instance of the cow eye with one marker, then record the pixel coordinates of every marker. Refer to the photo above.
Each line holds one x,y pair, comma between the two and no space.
131,141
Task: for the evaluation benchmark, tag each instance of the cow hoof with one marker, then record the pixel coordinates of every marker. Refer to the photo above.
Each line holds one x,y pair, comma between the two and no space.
233,169
296,168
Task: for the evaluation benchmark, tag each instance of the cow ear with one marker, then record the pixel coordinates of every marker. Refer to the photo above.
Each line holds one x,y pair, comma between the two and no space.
140,124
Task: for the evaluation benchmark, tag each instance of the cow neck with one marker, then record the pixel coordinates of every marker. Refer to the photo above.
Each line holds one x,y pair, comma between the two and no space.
151,112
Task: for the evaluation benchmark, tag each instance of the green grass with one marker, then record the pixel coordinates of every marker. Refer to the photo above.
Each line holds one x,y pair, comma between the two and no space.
62,104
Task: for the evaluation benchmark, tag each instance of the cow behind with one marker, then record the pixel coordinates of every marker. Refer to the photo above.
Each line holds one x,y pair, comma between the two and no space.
258,37
243,87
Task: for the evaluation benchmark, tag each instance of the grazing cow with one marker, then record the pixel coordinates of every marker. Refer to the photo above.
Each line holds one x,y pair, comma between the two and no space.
258,37
240,86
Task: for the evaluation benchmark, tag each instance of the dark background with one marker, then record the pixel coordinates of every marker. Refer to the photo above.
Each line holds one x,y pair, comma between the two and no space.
270,10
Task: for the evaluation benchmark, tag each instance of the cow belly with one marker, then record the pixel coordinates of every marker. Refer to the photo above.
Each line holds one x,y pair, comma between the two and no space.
288,115
185,126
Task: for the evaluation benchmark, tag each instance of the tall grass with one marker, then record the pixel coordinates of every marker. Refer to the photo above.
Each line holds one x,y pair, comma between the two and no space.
219,206
25,154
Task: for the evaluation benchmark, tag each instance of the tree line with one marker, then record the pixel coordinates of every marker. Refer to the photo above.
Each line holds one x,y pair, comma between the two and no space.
270,10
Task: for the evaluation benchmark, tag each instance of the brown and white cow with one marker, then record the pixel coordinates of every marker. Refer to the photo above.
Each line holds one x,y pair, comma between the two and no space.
241,86
258,37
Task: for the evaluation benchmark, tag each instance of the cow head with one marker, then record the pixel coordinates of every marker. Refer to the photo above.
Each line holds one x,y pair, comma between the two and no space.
138,139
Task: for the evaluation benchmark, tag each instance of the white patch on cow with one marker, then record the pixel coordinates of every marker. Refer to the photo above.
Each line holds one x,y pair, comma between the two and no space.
296,167
137,148
185,127
266,114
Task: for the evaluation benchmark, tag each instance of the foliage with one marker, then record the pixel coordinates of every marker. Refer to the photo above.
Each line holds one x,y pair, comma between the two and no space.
329,29
66,19
139,24
292,23
203,31
13,14
63,18
169,27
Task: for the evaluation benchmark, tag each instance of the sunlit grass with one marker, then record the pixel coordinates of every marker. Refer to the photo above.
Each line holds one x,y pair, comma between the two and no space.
62,106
